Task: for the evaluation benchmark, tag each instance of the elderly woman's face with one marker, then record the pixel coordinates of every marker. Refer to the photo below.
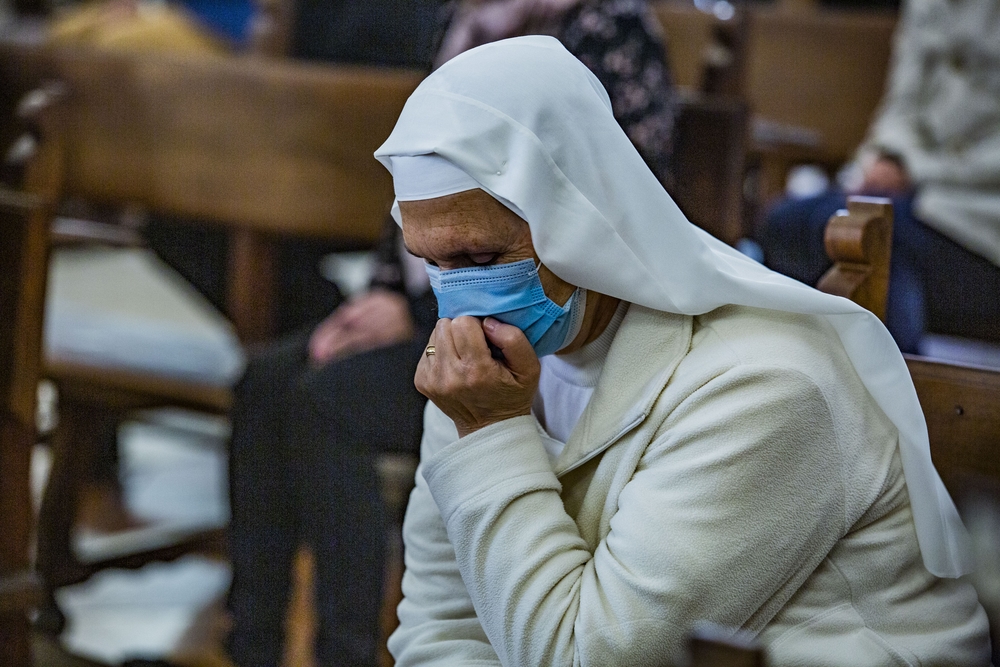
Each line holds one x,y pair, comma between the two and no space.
473,229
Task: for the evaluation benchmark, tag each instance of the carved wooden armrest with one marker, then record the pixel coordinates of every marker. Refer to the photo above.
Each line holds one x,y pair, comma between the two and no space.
859,241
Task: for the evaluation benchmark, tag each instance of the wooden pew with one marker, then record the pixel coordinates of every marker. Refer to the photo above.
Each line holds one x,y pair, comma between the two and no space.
271,28
710,160
199,137
800,63
711,130
792,65
823,70
262,149
814,80
19,588
961,403
691,35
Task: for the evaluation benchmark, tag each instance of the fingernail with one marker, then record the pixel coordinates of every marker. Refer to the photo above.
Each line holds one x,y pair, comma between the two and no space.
490,323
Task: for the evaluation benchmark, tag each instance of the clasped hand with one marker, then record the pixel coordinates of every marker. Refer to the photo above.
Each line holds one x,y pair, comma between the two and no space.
467,383
378,318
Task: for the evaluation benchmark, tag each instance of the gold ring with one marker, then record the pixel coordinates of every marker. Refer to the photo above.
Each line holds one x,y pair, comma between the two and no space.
429,351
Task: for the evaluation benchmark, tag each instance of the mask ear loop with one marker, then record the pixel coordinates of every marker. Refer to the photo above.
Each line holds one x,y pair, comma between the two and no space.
577,309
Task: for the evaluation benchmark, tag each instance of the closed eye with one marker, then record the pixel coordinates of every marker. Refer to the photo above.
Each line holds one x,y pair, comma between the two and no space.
483,258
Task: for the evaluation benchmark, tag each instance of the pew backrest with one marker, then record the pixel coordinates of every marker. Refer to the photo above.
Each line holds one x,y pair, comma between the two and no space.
706,53
709,163
274,146
961,404
822,70
265,148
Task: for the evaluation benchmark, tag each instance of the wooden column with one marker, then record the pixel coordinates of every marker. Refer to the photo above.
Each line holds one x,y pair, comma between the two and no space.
251,285
22,288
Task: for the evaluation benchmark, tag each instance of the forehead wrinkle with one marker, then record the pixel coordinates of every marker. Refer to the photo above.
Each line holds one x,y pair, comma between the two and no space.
465,238
462,226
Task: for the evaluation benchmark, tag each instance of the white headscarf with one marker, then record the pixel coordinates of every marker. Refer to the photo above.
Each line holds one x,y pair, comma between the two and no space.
533,126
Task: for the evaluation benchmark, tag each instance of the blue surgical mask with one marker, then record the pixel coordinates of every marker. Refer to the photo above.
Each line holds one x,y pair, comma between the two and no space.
513,294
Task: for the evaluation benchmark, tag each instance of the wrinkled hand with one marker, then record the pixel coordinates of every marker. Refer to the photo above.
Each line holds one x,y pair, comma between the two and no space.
885,176
477,23
468,384
378,318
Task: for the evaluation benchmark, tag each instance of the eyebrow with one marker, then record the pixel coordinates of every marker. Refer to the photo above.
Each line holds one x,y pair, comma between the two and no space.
464,252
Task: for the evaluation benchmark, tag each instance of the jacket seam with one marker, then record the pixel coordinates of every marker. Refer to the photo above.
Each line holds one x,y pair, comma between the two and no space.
506,484
864,619
789,634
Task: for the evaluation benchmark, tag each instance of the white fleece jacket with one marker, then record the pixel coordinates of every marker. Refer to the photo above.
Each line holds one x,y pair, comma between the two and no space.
730,467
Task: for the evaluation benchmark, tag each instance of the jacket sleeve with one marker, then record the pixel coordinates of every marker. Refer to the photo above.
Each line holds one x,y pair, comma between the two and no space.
941,110
738,496
894,129
437,621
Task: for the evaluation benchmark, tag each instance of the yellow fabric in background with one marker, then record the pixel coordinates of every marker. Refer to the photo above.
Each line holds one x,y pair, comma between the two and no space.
131,25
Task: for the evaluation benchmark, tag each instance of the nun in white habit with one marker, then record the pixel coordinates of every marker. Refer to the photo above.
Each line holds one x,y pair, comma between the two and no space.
632,427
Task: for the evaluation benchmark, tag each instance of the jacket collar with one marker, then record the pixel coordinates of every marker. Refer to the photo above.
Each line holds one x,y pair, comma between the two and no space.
645,351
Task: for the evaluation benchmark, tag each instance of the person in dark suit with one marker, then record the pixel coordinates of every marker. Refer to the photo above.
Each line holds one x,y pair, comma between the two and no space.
315,408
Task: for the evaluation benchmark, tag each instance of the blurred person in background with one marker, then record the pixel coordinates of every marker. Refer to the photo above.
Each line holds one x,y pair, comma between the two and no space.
390,33
934,148
618,40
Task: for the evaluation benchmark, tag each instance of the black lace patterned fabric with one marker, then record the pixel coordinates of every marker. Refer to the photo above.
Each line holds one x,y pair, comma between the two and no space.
621,42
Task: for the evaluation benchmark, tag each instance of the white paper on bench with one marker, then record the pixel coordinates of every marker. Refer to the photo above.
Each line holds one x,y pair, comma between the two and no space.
125,308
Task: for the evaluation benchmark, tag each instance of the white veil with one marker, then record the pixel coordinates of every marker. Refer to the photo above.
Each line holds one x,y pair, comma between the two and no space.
533,126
